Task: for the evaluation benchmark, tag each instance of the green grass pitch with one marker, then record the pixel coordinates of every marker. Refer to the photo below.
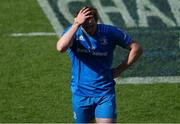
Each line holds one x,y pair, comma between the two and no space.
34,77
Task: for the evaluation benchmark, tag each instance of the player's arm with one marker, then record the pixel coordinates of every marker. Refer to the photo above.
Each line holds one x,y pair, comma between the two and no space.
135,50
66,40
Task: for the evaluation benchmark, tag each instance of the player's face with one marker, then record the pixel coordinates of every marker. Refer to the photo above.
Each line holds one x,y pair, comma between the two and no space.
90,25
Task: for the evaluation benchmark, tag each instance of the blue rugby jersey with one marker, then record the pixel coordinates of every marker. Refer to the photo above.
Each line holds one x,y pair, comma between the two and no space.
92,58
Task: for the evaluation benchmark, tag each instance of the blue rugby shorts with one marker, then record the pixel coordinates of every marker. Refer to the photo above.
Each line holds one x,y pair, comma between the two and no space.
86,109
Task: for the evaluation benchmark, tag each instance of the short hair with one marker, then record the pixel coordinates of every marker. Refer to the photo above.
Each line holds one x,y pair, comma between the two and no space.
93,12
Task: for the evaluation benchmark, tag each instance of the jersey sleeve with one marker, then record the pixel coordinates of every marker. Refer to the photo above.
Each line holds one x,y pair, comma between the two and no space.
65,30
120,37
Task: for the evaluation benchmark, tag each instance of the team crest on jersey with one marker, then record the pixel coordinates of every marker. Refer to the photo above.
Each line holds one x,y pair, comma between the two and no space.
104,41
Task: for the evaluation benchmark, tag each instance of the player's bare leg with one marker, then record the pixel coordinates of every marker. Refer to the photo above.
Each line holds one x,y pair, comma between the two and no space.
105,120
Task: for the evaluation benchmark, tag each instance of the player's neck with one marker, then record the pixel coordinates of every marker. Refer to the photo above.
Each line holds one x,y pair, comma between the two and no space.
91,31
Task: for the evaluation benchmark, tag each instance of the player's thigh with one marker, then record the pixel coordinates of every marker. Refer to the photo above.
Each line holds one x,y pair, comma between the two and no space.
83,110
106,109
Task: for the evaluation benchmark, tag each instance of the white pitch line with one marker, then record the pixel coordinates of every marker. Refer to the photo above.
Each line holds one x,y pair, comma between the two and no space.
148,80
33,34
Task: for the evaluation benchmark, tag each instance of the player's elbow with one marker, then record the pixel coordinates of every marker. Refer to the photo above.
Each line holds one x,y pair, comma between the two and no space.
139,49
136,48
60,48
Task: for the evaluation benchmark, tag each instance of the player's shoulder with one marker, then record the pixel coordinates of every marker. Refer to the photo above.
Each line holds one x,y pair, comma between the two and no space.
68,27
65,30
104,28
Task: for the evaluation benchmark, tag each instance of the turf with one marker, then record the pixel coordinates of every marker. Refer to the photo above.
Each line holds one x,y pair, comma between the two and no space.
157,103
34,77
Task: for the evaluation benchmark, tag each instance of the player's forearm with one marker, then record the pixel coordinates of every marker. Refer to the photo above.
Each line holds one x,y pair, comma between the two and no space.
134,54
65,41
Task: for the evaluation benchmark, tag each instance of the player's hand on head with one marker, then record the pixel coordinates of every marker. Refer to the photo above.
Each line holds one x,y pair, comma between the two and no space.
83,14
